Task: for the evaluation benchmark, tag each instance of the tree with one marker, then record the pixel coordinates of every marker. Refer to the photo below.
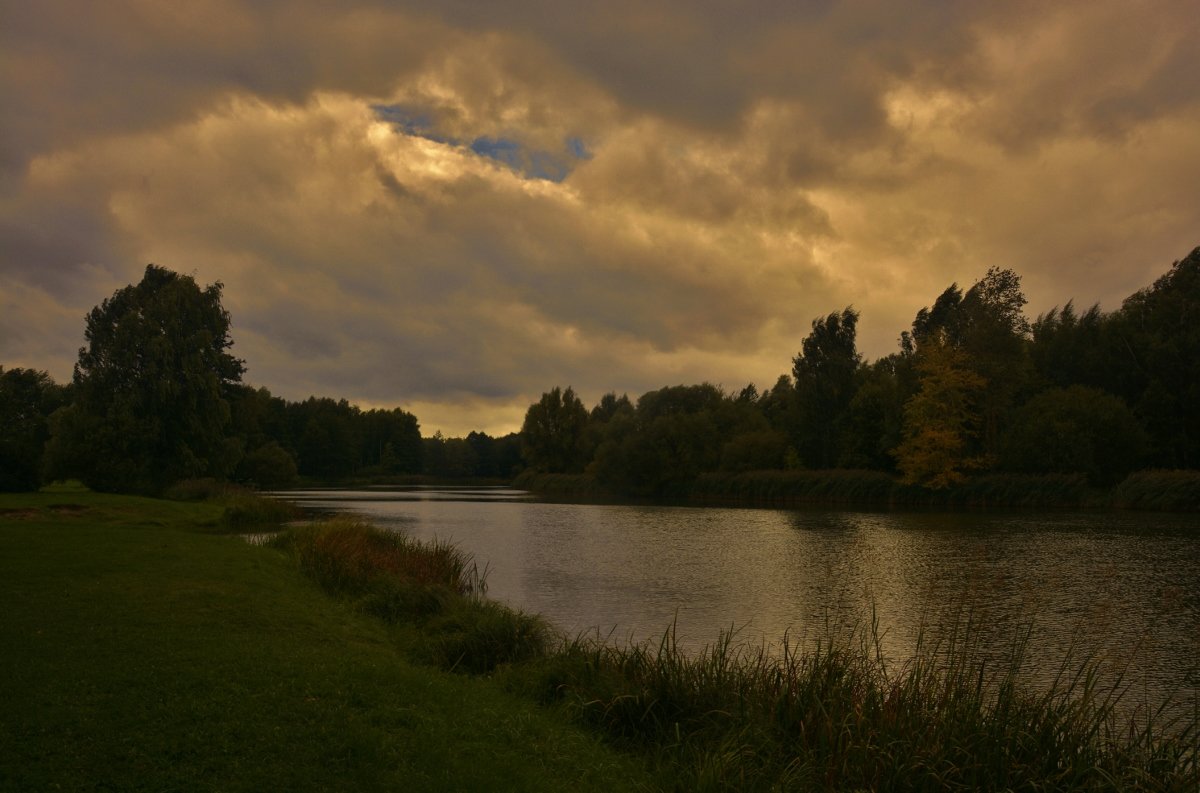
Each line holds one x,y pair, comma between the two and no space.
986,328
151,389
553,432
269,466
824,374
1075,430
27,398
1158,337
941,421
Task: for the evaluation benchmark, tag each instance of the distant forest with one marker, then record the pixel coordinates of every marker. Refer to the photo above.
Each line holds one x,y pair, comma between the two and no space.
974,388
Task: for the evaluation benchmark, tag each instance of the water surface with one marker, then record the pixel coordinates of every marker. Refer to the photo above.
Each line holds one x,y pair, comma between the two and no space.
1124,587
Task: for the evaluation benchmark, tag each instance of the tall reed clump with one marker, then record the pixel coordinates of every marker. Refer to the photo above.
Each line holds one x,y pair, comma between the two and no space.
1177,491
837,716
431,584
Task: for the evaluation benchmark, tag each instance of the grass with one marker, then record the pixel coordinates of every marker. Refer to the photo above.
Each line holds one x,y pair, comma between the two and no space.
143,652
838,717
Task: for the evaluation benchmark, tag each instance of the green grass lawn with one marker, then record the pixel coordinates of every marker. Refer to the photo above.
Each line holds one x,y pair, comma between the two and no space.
141,649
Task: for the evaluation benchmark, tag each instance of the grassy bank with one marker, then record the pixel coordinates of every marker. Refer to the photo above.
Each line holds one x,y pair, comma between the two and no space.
143,650
1175,491
831,717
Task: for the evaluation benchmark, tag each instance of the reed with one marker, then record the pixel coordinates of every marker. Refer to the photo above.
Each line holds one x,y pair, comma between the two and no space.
349,556
433,585
1176,491
838,716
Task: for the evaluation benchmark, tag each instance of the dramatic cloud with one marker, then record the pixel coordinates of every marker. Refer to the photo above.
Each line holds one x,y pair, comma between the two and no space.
452,207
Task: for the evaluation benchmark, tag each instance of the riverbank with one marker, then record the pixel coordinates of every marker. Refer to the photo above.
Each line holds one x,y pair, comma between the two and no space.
146,649
834,716
1166,491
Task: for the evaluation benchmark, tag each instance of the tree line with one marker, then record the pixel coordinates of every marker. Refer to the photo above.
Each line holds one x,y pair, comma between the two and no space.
974,387
156,397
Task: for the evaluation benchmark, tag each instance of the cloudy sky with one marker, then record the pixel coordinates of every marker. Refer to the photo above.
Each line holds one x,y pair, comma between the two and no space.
452,207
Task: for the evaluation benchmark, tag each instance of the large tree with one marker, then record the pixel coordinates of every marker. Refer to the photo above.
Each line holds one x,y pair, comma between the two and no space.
151,389
824,374
1158,338
553,432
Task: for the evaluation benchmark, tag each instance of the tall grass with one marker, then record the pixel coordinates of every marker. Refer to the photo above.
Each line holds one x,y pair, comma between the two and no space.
432,584
838,716
1177,491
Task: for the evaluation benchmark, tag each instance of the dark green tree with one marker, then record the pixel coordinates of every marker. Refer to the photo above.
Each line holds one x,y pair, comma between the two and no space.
1075,430
27,398
151,389
269,466
824,374
1157,336
872,426
674,434
553,432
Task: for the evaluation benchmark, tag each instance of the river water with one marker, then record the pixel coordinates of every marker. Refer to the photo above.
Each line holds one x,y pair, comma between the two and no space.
1123,588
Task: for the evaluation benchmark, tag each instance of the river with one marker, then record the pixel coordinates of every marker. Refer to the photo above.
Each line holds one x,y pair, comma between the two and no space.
1121,587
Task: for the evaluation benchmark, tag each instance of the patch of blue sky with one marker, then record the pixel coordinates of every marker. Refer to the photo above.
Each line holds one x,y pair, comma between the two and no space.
578,149
530,163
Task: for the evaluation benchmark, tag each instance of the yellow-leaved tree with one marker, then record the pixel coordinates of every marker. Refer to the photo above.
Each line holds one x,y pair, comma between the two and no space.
942,420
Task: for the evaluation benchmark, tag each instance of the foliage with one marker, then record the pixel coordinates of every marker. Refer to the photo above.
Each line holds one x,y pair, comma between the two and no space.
1157,331
27,398
941,421
825,379
349,556
1075,430
269,467
834,714
151,389
755,450
672,436
553,432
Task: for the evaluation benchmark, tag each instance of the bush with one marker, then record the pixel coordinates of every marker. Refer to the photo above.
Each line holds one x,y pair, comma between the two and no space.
269,467
476,636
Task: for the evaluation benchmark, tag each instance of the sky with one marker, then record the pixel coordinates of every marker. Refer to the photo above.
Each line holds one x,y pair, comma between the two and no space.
452,207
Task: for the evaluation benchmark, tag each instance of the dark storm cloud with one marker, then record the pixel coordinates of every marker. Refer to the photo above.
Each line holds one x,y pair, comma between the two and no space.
457,205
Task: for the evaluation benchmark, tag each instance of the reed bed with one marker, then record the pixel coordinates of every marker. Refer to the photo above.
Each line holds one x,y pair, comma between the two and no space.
433,585
837,716
1176,491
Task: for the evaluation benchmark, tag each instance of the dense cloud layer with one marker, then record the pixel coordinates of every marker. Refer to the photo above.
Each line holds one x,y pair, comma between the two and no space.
454,206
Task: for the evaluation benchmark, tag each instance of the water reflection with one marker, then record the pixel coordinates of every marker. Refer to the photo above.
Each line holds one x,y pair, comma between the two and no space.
1122,587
